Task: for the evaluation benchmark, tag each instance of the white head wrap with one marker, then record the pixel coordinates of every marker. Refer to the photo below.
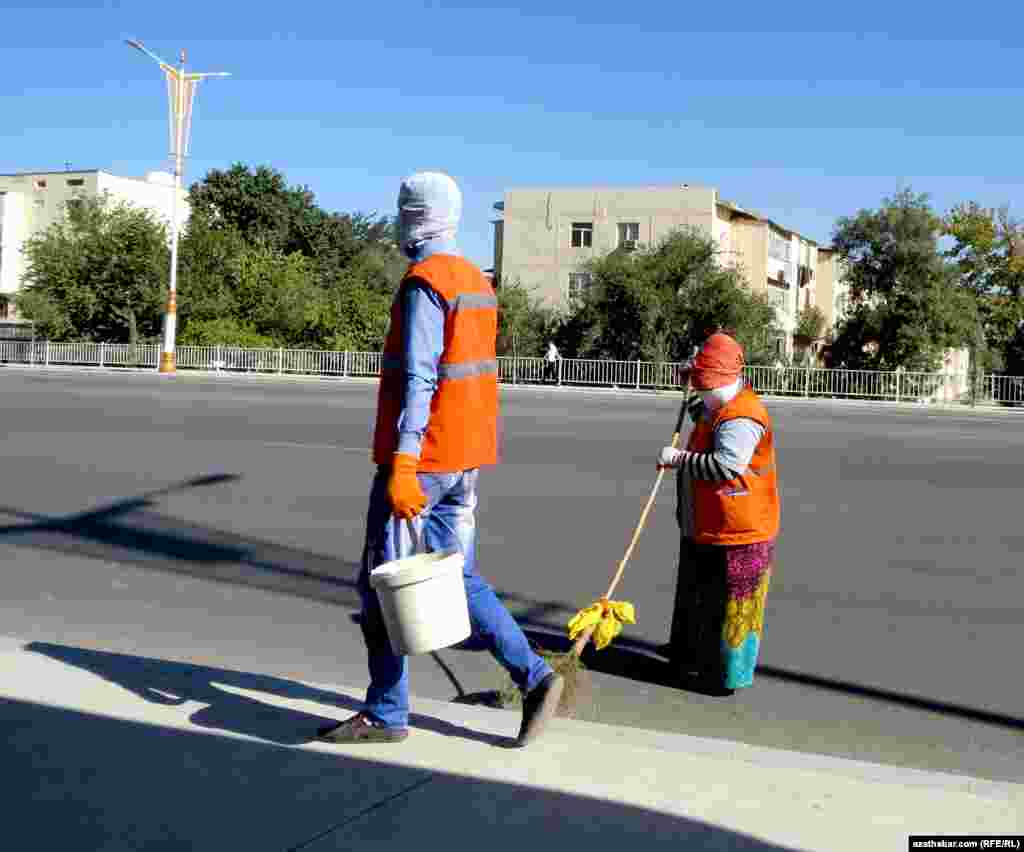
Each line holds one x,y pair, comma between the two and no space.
429,207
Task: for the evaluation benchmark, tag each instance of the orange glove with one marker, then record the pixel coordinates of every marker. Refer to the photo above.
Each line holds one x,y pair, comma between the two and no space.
404,492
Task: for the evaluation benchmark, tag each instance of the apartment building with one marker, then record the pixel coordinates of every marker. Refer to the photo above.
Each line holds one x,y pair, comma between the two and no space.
32,201
833,292
545,236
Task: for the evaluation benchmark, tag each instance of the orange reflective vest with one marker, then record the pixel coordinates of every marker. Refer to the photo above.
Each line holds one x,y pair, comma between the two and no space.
462,432
743,510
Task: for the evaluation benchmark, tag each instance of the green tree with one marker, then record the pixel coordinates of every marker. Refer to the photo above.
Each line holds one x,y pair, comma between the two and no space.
224,331
907,308
524,323
99,274
258,204
658,303
357,300
1015,352
988,252
207,274
276,295
265,255
810,323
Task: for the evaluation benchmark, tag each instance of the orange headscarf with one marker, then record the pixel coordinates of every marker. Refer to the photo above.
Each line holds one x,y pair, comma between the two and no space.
718,363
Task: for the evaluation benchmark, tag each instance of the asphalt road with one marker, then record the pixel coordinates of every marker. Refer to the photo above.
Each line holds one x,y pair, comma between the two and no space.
893,622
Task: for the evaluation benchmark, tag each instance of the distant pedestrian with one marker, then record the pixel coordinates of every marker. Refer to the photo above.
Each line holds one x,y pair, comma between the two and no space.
728,512
551,359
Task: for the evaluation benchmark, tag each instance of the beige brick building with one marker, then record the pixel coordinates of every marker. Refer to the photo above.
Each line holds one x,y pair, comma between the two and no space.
545,237
32,201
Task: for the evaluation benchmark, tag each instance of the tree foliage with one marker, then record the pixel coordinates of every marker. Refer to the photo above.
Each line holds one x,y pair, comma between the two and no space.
810,323
99,274
659,303
988,252
907,309
525,324
264,255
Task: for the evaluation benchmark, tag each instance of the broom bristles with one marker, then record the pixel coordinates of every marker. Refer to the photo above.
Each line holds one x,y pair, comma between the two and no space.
578,690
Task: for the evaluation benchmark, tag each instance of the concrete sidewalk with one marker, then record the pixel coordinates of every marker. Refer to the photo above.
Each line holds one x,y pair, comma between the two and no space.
117,752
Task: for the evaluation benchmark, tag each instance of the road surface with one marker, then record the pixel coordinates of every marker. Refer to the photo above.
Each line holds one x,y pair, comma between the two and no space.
221,520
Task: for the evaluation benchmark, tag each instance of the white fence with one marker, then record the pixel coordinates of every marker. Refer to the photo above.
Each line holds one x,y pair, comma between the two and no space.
896,386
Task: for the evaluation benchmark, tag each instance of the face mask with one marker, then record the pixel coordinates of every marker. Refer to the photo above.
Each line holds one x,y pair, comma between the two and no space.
716,398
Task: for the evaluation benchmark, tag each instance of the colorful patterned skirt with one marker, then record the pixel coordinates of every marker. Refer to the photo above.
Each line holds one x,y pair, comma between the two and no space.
718,620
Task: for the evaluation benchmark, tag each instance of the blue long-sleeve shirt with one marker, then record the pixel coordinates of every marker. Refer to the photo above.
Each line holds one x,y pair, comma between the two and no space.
423,319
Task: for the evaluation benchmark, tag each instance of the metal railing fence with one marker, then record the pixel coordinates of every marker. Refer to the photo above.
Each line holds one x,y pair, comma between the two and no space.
894,386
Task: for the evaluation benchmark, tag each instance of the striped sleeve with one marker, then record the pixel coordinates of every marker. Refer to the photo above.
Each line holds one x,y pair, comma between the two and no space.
735,443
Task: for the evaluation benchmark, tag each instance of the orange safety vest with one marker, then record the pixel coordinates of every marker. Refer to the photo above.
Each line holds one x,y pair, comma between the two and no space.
743,510
462,431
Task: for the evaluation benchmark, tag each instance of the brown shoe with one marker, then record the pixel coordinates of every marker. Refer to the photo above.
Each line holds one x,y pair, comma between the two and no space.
539,705
361,729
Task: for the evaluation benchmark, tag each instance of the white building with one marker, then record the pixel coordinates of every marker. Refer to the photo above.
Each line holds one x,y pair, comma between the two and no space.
32,201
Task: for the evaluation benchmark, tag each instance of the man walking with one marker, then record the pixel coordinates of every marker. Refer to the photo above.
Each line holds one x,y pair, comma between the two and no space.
437,416
551,359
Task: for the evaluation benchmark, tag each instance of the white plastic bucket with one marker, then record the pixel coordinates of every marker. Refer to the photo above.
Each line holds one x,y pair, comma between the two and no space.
423,600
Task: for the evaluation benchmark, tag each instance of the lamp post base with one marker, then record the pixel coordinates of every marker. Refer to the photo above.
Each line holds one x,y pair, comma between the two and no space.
168,364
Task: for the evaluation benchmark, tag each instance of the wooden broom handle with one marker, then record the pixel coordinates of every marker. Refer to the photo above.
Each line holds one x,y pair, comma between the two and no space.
581,642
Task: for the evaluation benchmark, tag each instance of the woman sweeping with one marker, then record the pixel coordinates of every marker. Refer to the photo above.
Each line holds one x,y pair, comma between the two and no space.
728,518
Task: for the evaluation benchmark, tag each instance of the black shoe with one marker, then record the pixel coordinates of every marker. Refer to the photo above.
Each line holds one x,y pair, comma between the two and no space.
708,684
539,705
361,729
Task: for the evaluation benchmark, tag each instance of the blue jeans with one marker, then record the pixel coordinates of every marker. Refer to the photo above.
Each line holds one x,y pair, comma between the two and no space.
448,521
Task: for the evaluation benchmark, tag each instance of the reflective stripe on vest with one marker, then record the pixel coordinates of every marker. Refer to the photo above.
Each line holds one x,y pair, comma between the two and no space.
466,369
473,300
447,371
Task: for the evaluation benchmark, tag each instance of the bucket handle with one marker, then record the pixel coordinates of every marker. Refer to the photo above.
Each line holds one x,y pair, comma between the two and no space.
417,539
414,534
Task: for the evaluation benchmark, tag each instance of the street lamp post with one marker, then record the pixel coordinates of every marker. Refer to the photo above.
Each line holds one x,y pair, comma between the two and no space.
181,90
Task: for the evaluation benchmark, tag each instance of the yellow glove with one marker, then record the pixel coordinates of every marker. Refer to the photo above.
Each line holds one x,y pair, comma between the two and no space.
609,616
404,491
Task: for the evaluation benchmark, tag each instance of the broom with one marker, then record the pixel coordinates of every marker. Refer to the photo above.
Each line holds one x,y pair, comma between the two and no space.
577,680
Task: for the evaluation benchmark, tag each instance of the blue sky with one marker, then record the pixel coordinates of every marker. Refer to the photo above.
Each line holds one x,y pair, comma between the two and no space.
790,109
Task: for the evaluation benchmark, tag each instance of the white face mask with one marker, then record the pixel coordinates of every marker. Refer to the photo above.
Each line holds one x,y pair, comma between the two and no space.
716,398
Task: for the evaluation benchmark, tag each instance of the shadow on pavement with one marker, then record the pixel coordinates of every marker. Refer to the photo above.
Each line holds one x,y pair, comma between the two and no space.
92,783
639,660
130,532
175,683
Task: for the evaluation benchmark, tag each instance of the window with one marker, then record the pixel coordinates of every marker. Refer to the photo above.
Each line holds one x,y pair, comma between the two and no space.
778,247
777,299
38,184
76,181
5,308
629,234
578,284
582,234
